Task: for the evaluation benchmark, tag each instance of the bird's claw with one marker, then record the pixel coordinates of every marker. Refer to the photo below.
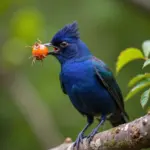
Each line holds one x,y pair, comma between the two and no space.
79,140
91,135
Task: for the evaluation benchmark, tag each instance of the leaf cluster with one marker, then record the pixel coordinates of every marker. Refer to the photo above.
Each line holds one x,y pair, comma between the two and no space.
141,81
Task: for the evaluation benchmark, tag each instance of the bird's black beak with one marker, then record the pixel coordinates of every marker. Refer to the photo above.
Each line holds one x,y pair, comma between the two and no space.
49,45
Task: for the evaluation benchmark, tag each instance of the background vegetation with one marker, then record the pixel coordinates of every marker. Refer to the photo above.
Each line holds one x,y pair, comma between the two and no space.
34,113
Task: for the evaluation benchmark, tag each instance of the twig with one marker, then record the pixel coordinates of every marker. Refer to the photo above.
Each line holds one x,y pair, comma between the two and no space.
134,135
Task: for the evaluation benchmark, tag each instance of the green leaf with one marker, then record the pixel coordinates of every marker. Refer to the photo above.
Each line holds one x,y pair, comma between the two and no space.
138,78
137,88
146,48
147,62
127,56
145,97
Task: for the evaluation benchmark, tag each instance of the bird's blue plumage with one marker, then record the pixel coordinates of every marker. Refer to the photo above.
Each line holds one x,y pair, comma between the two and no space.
70,31
87,80
82,86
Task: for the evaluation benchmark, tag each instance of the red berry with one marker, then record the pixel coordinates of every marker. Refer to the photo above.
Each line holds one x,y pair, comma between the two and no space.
39,51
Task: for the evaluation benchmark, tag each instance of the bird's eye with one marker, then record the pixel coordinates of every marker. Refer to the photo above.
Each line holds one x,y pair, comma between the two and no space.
63,44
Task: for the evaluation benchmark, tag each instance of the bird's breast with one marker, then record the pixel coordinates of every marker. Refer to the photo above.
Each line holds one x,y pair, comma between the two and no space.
78,74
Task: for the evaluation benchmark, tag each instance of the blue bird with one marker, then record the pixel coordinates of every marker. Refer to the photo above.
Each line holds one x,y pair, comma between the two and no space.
87,81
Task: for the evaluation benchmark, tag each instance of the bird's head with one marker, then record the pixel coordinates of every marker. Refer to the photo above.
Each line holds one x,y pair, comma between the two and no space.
67,45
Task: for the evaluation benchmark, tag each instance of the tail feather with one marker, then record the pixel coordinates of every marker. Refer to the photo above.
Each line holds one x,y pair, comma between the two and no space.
118,118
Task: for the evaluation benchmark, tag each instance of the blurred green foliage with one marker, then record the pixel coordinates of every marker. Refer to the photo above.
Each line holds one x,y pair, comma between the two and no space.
107,27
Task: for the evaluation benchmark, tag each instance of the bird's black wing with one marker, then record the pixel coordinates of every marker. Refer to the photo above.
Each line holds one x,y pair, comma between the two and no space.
105,77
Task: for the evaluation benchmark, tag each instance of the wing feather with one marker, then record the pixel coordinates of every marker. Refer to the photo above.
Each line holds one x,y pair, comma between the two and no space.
105,76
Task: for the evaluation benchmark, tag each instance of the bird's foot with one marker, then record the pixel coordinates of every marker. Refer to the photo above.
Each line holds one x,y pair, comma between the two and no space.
79,140
91,135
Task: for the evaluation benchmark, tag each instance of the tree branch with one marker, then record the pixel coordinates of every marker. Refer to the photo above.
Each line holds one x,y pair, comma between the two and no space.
134,135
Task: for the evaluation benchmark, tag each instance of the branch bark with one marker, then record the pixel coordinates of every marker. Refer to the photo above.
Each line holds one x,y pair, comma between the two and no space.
134,135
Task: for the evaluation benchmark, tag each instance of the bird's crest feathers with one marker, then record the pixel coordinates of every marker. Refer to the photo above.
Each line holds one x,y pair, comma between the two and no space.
68,31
